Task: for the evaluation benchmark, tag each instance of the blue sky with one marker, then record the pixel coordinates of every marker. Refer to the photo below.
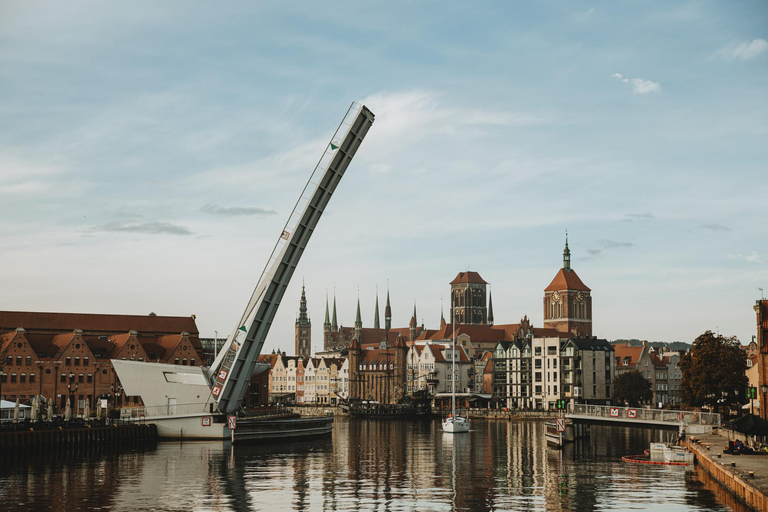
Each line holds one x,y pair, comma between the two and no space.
150,154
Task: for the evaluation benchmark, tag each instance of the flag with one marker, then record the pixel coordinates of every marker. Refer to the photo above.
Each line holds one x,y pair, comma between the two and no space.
243,329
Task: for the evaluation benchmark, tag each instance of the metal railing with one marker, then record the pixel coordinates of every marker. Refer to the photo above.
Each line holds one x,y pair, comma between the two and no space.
640,414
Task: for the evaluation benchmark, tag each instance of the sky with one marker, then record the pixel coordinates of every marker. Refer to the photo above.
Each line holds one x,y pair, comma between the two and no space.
151,152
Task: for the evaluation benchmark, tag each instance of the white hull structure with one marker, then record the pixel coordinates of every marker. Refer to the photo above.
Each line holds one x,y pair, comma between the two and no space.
455,425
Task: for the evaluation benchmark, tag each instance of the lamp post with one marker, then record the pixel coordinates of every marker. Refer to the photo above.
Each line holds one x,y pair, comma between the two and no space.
764,389
72,386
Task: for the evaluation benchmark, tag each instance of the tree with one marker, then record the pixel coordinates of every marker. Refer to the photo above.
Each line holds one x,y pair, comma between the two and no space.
631,388
714,372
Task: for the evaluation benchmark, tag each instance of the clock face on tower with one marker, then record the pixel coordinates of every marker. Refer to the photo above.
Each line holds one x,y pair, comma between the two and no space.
304,332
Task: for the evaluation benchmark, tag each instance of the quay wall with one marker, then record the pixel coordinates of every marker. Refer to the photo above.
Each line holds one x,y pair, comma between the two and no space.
500,414
743,490
28,440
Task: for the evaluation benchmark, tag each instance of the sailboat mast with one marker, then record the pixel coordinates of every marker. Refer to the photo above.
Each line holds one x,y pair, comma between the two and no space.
453,359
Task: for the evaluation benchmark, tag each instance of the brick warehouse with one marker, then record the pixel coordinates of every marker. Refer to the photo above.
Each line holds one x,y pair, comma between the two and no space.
60,355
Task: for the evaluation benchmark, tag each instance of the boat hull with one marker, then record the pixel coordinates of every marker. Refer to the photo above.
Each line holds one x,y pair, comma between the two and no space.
456,425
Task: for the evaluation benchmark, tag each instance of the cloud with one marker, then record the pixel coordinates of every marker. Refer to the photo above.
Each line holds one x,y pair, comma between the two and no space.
752,257
716,227
148,228
612,244
743,51
639,86
632,217
236,211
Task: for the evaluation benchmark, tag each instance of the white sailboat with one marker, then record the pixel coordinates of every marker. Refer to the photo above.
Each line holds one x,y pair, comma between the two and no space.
454,424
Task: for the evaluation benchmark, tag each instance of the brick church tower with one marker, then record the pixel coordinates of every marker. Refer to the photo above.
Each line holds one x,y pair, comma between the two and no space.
568,301
303,328
468,299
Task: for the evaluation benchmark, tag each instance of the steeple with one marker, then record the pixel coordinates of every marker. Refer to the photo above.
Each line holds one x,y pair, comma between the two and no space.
490,308
566,255
376,312
327,323
358,323
387,313
442,316
412,324
303,319
334,324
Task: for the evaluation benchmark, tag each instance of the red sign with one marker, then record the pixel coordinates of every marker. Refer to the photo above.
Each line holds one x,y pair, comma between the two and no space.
232,422
285,235
223,374
206,420
632,413
614,412
216,390
560,424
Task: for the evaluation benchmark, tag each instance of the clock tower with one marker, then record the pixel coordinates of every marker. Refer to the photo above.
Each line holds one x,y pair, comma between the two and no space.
568,302
303,328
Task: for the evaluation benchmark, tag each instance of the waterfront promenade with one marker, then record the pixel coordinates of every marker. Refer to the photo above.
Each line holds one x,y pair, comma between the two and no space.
748,478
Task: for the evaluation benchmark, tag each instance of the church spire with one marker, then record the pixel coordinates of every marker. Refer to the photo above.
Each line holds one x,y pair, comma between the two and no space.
490,308
387,313
334,324
442,315
566,255
303,318
376,312
358,323
327,323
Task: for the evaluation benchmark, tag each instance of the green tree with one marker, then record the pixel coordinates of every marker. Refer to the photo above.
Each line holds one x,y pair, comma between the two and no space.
631,388
714,372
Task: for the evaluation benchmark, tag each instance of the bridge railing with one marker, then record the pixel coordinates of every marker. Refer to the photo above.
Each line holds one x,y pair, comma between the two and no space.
644,415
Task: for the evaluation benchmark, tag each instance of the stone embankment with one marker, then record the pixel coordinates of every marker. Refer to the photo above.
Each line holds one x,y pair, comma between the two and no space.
746,476
36,439
500,414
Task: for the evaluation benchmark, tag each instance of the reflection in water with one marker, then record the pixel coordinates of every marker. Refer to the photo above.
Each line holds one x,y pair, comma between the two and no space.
368,465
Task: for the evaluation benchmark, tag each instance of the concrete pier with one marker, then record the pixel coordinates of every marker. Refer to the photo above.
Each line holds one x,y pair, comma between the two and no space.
746,476
36,439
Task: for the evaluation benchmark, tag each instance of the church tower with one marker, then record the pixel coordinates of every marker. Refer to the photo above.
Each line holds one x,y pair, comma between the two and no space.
303,328
468,299
387,313
568,301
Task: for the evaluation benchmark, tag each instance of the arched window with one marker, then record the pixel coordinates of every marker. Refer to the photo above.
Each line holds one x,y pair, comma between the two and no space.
80,378
184,361
13,377
176,361
192,362
23,378
18,360
63,377
77,361
90,378
68,361
29,360
85,361
31,377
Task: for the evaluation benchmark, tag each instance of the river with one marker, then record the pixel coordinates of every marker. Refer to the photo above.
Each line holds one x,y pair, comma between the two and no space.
367,465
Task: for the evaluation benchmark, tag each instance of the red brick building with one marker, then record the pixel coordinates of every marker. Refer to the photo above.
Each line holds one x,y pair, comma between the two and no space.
67,355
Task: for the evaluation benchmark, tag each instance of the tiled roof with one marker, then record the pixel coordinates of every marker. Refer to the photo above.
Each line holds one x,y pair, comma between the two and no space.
468,277
632,354
90,323
566,280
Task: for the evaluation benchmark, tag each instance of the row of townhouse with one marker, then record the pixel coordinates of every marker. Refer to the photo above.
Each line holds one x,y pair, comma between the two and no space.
434,367
658,366
533,373
314,381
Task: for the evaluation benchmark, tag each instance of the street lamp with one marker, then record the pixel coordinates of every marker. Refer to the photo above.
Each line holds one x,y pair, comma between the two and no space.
764,389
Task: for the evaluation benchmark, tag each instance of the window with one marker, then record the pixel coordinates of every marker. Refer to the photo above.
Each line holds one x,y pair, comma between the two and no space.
29,360
184,361
77,361
23,378
537,363
192,362
537,351
63,377
68,361
90,378
9,361
31,377
18,360
176,361
80,378
13,377
85,361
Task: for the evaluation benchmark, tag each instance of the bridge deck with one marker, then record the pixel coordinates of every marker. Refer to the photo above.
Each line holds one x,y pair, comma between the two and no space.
665,418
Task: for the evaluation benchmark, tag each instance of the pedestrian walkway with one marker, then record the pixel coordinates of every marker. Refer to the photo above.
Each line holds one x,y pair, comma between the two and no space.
737,472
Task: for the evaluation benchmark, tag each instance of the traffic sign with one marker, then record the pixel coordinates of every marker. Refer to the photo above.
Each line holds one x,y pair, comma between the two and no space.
632,413
614,412
206,421
560,424
561,404
751,392
232,422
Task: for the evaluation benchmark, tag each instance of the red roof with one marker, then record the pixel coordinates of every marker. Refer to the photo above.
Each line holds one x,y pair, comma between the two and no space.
632,354
566,280
468,277
89,323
